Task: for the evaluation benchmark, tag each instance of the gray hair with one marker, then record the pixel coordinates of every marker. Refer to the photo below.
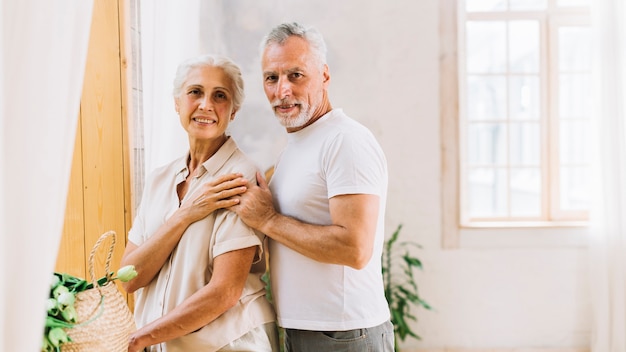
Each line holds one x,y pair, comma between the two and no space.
280,33
231,69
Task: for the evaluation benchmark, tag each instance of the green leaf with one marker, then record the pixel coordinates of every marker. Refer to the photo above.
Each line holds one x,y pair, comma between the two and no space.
425,305
101,281
52,322
401,289
412,261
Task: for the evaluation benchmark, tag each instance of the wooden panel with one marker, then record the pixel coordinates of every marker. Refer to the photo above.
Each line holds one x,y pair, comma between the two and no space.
99,185
71,257
125,71
102,131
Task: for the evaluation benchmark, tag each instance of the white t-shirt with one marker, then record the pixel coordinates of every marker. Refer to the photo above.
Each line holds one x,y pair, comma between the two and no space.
333,156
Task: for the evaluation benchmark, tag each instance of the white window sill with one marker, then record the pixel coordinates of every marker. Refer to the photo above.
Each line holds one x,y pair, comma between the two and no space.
535,235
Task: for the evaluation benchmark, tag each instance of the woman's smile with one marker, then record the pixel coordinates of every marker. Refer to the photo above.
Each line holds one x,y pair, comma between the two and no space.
204,120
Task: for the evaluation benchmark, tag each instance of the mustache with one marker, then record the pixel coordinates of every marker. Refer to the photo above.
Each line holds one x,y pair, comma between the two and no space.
279,102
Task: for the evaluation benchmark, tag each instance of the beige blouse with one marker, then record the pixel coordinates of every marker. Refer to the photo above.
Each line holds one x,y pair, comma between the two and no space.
190,265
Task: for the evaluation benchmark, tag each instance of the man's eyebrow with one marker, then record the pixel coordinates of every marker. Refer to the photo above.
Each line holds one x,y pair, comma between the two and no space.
288,71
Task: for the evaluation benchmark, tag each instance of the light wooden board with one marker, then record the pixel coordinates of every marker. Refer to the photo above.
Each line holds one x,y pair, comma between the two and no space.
98,196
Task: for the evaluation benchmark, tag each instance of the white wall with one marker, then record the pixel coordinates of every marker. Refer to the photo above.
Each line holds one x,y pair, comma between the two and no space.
383,57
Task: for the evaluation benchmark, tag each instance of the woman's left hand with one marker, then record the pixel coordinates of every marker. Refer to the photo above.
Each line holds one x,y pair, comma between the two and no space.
216,194
134,345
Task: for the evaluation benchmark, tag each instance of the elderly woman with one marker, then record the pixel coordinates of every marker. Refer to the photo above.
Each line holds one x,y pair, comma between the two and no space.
199,266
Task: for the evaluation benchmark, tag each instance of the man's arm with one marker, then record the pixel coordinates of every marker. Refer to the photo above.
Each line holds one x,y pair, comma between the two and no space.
348,241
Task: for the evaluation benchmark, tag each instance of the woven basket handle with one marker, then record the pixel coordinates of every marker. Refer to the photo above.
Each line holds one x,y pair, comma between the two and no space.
102,238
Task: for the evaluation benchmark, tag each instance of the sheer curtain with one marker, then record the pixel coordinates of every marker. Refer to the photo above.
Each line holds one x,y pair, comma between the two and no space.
608,217
169,33
43,48
175,30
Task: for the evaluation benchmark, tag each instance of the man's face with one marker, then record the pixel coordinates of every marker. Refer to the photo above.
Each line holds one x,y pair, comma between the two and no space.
295,83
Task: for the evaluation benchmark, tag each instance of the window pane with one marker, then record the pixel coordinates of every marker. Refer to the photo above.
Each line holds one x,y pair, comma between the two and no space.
573,144
524,97
486,98
574,188
524,46
523,5
525,144
526,192
569,3
486,46
574,49
526,109
574,95
485,5
487,144
487,192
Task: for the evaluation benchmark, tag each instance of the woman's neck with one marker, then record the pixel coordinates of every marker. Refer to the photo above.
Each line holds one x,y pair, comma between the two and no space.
201,151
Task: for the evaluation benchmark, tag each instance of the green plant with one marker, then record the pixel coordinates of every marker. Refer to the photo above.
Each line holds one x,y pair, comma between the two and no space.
400,286
270,298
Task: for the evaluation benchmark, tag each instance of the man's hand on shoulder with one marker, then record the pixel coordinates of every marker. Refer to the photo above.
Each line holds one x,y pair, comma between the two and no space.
256,205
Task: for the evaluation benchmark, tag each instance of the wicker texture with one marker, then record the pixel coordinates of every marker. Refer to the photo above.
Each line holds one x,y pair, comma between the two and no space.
105,321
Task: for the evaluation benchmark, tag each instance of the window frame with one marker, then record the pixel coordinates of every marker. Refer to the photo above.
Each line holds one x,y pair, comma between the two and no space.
457,233
573,19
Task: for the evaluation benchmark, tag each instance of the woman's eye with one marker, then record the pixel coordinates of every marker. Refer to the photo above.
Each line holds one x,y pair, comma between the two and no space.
194,92
220,96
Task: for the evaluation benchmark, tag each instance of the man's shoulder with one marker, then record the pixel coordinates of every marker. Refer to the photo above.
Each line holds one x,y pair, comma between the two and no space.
342,123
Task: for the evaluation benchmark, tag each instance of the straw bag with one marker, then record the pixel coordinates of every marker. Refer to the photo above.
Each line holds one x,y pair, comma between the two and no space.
104,319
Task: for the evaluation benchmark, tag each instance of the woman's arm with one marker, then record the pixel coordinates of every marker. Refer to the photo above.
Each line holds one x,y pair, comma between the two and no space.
230,271
149,257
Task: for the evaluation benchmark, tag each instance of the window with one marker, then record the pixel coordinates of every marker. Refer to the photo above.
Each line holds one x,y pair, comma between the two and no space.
515,147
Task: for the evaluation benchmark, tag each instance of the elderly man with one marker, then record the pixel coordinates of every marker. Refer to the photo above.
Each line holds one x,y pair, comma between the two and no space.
323,209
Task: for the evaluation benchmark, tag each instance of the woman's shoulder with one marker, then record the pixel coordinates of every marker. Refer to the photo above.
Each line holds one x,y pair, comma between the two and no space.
242,163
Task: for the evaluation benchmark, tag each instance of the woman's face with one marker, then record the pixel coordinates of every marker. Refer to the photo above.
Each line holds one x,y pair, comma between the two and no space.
205,104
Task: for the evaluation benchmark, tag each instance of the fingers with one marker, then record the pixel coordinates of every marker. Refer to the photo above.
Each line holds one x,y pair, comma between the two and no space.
225,178
227,203
222,184
261,181
231,192
220,199
221,187
220,192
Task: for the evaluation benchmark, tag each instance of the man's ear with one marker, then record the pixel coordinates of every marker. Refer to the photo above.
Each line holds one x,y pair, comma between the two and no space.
326,75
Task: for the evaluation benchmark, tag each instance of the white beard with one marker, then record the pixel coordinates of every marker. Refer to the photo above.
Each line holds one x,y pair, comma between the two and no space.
303,117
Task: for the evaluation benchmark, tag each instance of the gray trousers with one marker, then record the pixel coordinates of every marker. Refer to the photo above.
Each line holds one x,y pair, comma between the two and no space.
376,339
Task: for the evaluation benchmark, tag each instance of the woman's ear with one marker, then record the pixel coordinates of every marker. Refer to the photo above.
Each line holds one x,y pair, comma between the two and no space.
176,107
